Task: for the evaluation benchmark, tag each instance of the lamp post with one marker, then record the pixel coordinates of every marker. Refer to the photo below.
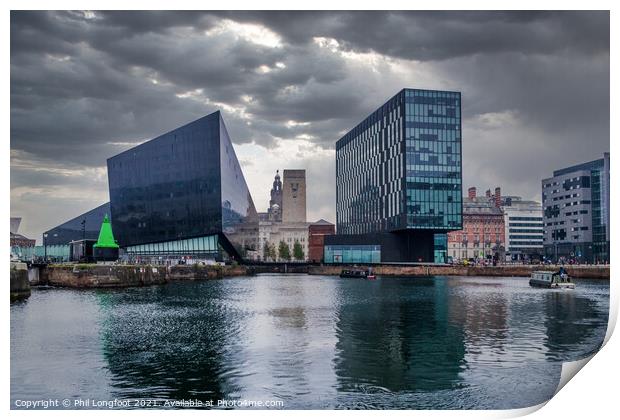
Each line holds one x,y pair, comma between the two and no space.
45,246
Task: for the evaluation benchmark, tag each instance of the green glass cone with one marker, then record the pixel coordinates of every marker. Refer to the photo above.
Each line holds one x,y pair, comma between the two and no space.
106,238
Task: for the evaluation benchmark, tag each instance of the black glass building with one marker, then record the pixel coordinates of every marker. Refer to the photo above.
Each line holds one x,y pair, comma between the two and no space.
85,226
183,193
398,180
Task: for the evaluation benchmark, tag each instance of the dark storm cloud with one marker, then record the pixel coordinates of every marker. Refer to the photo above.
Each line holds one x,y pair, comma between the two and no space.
431,35
84,86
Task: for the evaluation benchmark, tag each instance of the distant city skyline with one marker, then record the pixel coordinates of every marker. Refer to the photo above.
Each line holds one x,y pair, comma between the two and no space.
88,85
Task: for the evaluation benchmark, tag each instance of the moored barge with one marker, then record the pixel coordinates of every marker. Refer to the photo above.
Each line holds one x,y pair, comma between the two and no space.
551,280
354,274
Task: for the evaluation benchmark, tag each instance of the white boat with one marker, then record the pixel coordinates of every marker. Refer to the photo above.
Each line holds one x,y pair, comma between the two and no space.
551,280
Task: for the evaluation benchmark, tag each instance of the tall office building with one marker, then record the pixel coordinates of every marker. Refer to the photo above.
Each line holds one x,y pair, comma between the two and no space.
398,181
183,193
576,212
294,196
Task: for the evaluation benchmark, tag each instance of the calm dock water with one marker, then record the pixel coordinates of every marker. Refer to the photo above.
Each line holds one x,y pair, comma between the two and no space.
307,341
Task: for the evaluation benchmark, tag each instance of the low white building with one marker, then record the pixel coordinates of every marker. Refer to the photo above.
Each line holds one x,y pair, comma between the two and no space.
275,232
524,228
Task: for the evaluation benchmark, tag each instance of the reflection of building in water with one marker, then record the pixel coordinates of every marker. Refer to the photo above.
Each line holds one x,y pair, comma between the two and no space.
571,322
483,319
167,351
398,344
293,341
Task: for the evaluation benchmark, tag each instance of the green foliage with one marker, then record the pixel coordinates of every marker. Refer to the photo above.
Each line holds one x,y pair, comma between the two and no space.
269,252
266,250
298,251
284,252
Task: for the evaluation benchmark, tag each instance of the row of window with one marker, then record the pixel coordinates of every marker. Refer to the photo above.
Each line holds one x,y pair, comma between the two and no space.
347,254
205,244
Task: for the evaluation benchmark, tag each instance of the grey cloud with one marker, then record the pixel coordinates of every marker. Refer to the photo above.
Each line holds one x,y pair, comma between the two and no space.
432,35
82,85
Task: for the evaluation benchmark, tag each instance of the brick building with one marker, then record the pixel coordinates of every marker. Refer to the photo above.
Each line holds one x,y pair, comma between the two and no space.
483,233
316,236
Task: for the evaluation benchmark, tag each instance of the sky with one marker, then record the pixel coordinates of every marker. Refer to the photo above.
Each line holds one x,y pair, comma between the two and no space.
88,85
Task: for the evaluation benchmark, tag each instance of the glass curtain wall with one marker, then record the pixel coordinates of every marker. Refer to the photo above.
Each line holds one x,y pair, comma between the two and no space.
205,245
433,156
348,254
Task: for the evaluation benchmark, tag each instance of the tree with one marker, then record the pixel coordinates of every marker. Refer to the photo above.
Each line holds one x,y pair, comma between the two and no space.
298,251
272,252
269,252
266,251
284,252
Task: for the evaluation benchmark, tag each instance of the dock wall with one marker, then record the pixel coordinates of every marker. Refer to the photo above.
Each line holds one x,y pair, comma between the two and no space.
20,286
590,272
110,276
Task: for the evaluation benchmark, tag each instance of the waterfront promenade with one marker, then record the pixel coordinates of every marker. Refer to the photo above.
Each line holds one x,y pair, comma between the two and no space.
111,276
578,271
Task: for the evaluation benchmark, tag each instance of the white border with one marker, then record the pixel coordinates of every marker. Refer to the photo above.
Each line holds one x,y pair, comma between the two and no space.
593,394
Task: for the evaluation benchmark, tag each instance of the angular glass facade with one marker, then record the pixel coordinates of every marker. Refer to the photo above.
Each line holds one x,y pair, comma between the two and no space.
433,159
85,226
401,167
370,169
185,184
399,171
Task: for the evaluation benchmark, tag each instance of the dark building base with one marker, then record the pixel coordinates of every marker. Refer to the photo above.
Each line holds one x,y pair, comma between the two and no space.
105,254
401,246
581,252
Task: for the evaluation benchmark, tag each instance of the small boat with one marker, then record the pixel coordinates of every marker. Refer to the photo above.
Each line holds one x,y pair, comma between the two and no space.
354,274
371,277
551,280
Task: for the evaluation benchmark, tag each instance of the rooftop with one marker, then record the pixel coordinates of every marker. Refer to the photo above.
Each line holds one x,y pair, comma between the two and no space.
321,222
598,163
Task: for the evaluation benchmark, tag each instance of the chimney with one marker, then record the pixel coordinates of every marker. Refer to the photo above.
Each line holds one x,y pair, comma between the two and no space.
471,192
488,193
498,197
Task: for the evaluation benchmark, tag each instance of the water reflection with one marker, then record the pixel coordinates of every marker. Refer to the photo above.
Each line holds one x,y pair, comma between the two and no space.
396,336
573,326
170,342
312,342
